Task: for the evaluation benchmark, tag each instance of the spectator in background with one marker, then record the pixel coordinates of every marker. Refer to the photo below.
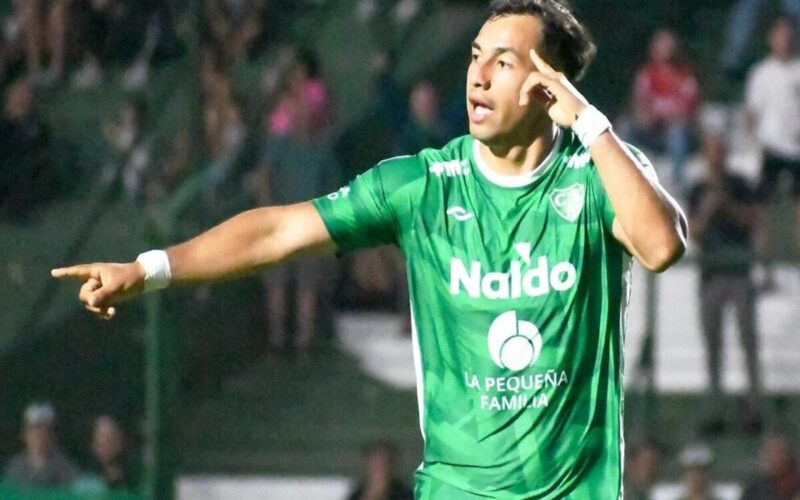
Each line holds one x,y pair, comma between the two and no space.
24,153
779,478
120,32
96,23
391,103
424,128
641,470
773,111
744,18
44,27
723,216
665,104
130,148
382,270
696,461
375,277
234,26
158,40
298,164
12,42
222,122
41,464
379,481
304,107
111,460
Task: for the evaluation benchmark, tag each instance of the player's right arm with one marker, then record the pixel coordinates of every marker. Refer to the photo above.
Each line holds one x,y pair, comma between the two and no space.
246,243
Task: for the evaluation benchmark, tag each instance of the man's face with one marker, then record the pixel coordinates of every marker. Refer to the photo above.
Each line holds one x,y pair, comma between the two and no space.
776,455
107,441
715,153
499,66
664,46
424,103
780,39
18,101
38,439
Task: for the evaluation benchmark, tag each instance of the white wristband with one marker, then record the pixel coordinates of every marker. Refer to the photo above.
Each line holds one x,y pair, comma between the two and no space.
589,125
156,269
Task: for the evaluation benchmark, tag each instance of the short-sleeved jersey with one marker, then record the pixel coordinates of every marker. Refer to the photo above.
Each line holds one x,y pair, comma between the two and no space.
518,290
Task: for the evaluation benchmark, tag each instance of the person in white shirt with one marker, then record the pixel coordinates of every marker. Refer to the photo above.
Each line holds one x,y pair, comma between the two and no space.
773,111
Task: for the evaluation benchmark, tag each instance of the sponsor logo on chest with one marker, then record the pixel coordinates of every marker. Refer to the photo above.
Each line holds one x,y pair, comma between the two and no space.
523,277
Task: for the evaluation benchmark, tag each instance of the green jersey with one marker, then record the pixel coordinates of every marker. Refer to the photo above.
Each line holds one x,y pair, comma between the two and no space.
518,293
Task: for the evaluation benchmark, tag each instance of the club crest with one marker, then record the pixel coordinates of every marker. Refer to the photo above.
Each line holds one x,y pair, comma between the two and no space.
568,202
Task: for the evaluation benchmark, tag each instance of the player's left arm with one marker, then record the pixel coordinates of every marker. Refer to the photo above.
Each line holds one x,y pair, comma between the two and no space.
648,221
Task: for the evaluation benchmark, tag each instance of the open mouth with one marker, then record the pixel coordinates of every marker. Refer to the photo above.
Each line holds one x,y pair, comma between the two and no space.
479,108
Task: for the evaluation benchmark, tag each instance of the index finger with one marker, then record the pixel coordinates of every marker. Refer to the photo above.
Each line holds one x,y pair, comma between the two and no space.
80,272
539,63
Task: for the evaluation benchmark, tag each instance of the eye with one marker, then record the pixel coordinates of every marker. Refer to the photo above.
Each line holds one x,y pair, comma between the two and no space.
473,57
503,64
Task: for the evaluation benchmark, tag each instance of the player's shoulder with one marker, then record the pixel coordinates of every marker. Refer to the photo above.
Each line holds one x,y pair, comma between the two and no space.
459,148
452,155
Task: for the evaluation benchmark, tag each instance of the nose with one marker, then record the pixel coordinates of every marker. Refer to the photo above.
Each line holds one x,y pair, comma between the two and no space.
480,76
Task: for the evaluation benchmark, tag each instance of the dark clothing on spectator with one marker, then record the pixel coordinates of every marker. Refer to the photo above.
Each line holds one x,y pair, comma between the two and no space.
397,491
725,263
115,33
725,245
772,167
716,292
126,479
24,160
299,170
59,471
764,488
414,138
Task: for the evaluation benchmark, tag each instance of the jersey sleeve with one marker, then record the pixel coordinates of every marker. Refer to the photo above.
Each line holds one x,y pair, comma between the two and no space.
369,211
607,211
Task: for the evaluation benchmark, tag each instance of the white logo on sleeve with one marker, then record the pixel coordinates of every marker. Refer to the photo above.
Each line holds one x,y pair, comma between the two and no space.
452,168
342,193
568,202
514,344
460,213
579,161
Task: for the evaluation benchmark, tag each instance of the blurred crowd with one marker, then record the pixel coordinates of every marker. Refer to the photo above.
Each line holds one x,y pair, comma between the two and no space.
50,49
42,464
777,474
282,142
731,211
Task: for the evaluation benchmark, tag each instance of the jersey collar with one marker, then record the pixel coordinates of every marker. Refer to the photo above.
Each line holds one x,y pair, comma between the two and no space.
522,180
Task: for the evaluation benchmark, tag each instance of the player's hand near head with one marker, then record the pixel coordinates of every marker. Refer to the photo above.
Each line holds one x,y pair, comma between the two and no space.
105,284
556,93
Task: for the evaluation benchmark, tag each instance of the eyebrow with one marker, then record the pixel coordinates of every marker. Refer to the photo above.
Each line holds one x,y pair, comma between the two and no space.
497,50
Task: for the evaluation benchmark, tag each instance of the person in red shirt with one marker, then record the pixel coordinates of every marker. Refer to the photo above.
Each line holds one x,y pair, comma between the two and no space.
666,100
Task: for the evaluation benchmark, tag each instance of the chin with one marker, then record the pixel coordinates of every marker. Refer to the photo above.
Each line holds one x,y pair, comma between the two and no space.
480,133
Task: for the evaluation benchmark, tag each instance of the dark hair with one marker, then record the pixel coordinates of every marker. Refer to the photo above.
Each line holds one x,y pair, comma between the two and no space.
567,45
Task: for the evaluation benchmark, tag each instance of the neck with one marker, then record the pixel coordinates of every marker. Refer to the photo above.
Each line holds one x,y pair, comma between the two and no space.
520,157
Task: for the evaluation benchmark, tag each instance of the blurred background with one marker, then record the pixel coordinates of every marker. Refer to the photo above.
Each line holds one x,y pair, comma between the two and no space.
127,125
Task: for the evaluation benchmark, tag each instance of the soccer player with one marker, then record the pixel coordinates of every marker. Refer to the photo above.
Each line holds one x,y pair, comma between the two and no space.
517,241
